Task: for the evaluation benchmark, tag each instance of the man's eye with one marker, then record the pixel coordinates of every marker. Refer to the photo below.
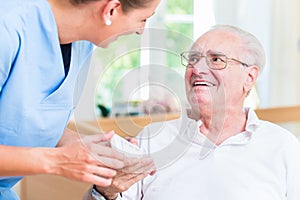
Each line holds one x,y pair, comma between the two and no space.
218,59
194,59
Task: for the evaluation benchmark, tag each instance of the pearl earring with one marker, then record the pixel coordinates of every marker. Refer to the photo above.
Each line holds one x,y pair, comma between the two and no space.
108,22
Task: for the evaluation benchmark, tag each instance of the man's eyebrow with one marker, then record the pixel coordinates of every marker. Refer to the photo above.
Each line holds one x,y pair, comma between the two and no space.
215,52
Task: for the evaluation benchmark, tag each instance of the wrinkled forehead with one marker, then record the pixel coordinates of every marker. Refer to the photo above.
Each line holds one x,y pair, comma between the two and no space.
218,41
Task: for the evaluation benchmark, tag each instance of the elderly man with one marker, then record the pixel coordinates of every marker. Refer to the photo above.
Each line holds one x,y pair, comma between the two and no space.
219,149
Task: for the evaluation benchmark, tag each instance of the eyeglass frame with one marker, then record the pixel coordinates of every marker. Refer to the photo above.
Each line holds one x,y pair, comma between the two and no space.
207,62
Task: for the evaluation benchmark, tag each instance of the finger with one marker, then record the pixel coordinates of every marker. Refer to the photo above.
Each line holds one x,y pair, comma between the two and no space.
146,166
135,162
104,151
142,169
137,178
94,175
109,135
102,171
139,165
98,180
132,140
110,162
122,184
100,137
106,140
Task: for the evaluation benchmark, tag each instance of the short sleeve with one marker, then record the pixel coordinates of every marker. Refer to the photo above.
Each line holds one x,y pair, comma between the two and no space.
9,42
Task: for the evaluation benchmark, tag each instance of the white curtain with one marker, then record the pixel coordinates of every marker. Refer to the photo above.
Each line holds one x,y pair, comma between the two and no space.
276,25
285,59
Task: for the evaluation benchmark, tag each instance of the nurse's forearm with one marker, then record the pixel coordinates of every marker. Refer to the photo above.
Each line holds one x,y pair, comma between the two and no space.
74,161
20,161
67,136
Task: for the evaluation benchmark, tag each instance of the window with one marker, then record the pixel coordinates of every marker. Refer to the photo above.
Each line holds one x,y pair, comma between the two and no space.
140,74
178,23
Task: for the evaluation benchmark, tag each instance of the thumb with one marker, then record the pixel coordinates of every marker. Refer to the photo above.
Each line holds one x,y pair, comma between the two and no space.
109,135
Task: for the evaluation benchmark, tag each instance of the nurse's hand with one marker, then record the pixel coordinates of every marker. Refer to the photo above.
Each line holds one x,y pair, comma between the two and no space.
87,159
136,170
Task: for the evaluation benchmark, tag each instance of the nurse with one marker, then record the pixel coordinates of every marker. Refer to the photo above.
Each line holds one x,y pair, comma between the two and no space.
44,45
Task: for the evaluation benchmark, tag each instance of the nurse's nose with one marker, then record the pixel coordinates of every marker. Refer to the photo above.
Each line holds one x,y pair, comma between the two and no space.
140,31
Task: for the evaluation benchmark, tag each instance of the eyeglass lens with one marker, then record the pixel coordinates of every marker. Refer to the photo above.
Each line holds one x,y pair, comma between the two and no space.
213,60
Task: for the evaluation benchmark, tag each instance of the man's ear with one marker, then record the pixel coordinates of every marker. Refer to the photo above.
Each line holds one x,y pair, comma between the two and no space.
110,10
252,74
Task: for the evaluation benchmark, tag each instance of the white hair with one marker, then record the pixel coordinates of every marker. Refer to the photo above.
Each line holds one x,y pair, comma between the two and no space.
251,45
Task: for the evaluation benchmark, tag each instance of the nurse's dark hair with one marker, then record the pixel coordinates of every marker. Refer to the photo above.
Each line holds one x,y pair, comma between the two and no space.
127,5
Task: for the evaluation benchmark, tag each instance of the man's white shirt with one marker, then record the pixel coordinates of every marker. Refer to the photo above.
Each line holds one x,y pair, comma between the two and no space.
261,163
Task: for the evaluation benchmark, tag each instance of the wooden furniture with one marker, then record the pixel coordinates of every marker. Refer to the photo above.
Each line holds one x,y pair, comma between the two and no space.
280,114
130,126
47,187
123,126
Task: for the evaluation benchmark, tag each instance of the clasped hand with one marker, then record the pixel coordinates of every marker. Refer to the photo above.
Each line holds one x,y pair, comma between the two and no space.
135,169
90,159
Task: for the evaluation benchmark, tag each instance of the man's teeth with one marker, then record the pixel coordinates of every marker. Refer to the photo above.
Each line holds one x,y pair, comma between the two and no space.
203,83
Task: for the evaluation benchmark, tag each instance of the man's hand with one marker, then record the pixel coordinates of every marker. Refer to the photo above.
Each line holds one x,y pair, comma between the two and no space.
135,170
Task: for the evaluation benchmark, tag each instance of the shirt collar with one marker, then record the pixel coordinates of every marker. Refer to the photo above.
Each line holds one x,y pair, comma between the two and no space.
193,133
253,122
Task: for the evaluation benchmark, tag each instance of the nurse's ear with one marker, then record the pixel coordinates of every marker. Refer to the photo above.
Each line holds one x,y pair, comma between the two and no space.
110,10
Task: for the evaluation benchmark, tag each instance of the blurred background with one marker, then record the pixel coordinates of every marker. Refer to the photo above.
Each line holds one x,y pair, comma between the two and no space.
142,74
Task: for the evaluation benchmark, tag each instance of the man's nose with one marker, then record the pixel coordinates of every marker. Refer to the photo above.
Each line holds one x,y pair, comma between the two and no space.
201,66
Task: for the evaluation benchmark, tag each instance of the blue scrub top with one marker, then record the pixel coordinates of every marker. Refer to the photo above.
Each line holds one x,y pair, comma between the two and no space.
36,99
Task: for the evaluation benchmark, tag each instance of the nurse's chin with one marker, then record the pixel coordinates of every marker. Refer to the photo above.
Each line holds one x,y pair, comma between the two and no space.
106,43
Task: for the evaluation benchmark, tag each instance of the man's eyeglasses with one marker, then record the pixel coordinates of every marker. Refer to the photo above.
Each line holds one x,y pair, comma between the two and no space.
214,60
